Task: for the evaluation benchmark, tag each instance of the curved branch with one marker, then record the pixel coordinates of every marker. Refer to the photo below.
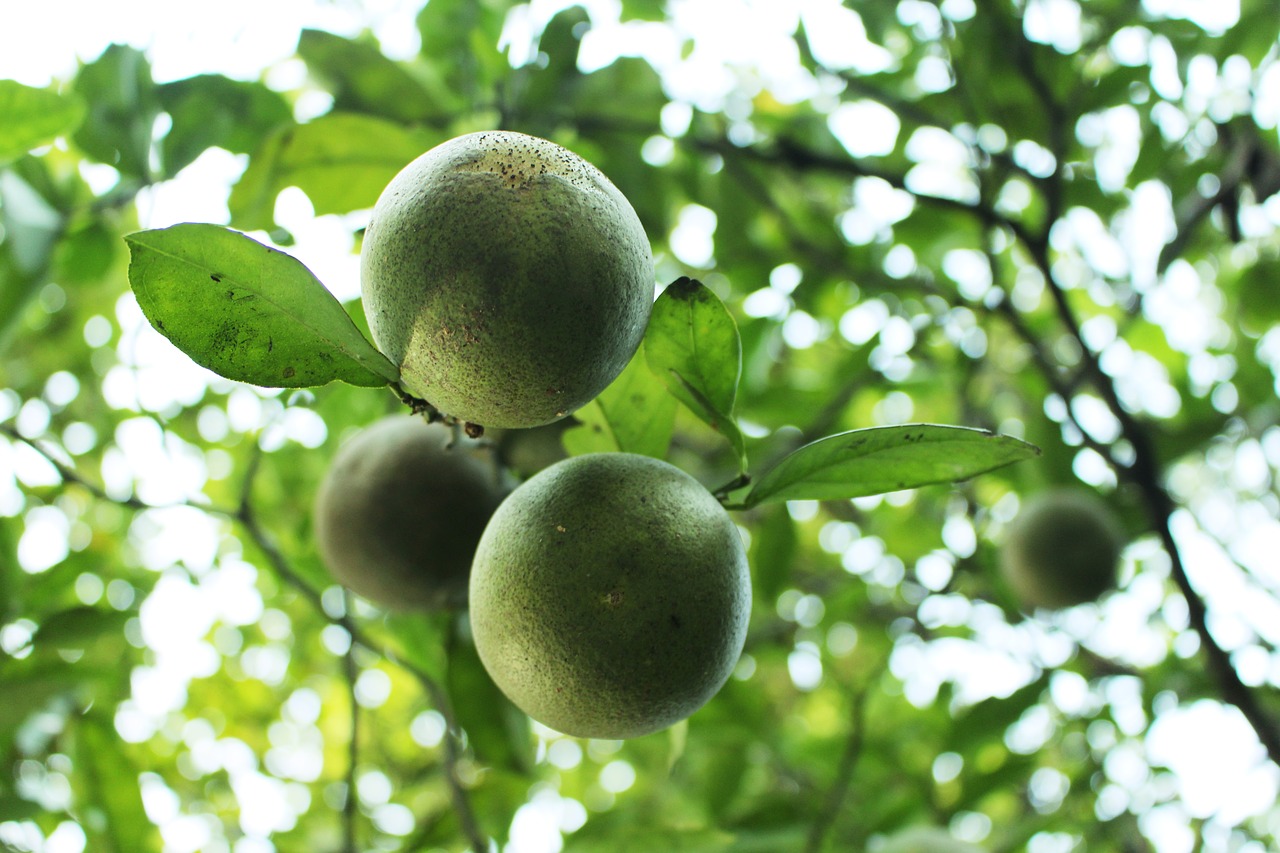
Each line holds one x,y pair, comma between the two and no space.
247,518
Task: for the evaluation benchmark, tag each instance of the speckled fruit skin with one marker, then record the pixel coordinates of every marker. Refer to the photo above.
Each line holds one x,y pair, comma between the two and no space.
926,839
399,512
610,596
509,279
1062,549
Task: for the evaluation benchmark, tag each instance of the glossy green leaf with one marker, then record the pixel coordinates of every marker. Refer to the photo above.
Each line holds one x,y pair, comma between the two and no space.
342,161
30,117
886,459
247,311
635,414
692,345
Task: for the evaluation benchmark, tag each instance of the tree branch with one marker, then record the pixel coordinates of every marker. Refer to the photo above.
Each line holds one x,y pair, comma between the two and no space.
1145,474
246,516
839,789
350,810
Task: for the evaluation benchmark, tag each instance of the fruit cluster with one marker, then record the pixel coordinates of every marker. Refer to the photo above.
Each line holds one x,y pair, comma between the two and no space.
511,282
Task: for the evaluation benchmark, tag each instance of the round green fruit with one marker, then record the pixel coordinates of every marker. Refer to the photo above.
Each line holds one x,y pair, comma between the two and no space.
610,596
507,277
926,839
1062,549
400,510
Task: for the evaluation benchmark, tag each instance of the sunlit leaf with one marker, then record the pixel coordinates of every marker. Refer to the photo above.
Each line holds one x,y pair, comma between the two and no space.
30,117
635,414
692,345
886,459
342,161
247,311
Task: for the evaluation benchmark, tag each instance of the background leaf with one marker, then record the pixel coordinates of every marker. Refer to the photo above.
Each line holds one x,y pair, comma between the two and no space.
247,311
30,117
886,459
342,161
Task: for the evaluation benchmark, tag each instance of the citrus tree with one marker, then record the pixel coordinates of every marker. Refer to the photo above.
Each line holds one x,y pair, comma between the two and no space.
915,265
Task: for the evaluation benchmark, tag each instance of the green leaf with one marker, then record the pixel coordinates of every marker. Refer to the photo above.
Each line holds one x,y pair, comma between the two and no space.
692,344
774,544
418,639
635,414
342,161
30,117
364,80
247,311
78,628
29,229
211,110
123,107
497,731
108,782
460,43
872,461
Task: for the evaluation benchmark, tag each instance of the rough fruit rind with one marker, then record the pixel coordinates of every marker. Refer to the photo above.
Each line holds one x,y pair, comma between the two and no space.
507,277
1062,549
399,512
610,596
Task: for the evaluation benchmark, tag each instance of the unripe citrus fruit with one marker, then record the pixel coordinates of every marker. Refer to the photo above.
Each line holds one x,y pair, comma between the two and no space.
1062,549
610,596
507,277
926,839
400,510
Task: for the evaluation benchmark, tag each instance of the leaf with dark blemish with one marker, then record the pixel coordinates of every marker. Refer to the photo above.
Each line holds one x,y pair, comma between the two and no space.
267,321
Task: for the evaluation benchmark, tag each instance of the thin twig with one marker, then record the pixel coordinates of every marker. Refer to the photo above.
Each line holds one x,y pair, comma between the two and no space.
1145,474
350,811
245,514
839,789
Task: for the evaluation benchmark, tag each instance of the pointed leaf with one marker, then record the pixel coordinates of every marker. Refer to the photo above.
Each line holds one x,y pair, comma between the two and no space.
692,344
885,459
30,117
247,311
635,414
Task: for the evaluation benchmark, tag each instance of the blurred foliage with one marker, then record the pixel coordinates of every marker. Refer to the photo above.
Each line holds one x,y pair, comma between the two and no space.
1070,237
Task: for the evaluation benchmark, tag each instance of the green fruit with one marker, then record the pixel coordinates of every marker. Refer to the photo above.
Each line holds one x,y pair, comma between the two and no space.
610,596
507,277
1062,549
400,511
926,839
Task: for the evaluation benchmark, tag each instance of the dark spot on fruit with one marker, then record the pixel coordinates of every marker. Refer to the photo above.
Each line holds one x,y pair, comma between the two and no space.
216,277
289,372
